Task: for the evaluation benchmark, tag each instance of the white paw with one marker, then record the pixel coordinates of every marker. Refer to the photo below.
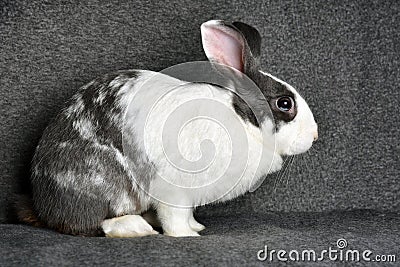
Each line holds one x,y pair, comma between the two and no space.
182,233
127,226
196,226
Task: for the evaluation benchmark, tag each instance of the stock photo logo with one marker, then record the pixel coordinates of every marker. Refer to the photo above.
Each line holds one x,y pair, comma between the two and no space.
188,125
340,252
211,131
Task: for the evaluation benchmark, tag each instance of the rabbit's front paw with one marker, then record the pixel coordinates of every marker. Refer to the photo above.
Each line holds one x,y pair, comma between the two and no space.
182,232
196,226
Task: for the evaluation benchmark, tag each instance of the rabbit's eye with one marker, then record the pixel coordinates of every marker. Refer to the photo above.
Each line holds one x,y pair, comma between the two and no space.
284,103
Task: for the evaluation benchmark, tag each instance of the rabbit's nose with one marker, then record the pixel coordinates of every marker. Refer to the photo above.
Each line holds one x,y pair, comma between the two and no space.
315,135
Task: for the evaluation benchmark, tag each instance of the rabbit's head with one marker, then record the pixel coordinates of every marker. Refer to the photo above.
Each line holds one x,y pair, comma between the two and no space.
238,46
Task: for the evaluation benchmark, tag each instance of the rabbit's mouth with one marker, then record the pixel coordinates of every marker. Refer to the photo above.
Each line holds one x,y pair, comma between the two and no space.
301,145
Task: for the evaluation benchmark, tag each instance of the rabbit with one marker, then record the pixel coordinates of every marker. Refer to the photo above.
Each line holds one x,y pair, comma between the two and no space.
85,183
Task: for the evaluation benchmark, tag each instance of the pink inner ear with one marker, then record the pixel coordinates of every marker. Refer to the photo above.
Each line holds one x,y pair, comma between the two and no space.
223,47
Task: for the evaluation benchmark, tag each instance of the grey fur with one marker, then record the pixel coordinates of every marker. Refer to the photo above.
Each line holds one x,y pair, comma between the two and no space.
79,174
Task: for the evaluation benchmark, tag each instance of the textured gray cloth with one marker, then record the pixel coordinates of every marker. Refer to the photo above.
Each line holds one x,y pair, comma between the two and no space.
228,241
344,58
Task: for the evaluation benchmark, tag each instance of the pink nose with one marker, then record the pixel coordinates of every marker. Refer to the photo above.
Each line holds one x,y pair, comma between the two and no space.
315,135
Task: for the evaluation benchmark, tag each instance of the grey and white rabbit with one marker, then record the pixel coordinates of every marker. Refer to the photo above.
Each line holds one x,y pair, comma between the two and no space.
84,183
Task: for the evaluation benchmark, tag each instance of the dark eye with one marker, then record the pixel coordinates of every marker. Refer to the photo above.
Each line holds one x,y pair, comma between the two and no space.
284,103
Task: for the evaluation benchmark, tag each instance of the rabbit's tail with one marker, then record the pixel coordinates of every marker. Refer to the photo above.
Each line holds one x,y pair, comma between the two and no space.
24,211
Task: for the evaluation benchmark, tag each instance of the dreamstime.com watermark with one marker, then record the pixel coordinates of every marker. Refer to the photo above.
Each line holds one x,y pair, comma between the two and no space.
338,253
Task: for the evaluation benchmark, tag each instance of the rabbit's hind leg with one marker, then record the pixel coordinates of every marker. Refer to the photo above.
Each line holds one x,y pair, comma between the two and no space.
127,226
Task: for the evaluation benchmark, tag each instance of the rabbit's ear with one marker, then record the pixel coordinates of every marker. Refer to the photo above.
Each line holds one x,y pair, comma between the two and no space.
252,37
225,44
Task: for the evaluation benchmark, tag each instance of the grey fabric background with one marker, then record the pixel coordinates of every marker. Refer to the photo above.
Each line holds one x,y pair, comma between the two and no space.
232,240
343,57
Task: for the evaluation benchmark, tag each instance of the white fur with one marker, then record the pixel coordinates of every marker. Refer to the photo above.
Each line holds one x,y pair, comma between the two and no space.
77,107
64,144
187,189
99,100
127,226
85,128
153,99
175,220
175,191
201,131
195,225
98,180
124,204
